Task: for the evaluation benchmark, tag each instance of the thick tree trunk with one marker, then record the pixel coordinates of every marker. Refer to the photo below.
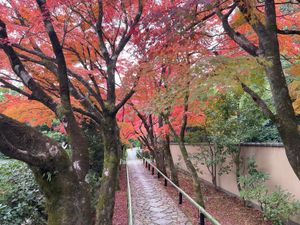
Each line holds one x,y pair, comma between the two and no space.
80,153
170,162
68,201
285,118
193,172
112,150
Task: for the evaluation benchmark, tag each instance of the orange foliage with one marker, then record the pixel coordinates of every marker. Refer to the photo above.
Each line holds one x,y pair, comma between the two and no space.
25,110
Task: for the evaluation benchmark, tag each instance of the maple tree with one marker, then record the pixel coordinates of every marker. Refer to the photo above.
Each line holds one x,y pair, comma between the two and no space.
262,30
67,55
262,18
167,108
85,59
146,124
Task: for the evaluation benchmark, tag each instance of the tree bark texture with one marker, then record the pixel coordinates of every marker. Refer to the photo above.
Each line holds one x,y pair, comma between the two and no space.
67,199
112,152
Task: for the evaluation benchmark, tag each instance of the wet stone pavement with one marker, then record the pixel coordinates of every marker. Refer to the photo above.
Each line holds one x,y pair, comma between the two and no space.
151,204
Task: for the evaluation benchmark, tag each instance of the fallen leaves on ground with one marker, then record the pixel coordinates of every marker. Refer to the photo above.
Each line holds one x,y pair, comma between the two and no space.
227,209
120,211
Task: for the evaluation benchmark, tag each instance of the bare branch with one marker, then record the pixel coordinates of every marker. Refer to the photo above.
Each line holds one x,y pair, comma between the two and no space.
127,35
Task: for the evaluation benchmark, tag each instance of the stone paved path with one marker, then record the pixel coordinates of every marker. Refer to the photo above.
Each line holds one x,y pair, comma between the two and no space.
150,202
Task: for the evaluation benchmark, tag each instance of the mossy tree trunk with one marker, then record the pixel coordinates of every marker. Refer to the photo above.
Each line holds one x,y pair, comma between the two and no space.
112,151
67,198
67,201
63,109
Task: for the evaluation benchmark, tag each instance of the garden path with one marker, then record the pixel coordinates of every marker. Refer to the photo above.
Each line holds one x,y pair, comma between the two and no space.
151,204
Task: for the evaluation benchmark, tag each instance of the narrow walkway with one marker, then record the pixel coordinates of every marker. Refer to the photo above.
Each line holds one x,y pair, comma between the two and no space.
150,202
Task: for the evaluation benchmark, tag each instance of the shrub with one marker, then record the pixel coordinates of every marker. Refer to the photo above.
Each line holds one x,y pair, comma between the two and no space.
277,205
20,199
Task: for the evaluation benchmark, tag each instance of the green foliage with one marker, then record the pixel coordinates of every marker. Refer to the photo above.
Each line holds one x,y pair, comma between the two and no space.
235,119
2,92
253,126
277,205
20,199
195,135
96,153
253,183
214,158
224,71
96,147
56,136
231,119
139,153
3,157
134,143
50,132
146,154
232,116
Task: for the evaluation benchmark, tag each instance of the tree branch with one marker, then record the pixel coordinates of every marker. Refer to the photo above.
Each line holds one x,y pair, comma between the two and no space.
14,88
127,35
288,32
99,31
57,49
19,69
240,39
26,144
259,102
127,97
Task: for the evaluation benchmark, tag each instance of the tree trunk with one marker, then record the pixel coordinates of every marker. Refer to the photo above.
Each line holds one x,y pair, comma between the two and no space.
160,160
193,172
214,176
112,150
268,50
67,199
170,162
286,119
237,162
